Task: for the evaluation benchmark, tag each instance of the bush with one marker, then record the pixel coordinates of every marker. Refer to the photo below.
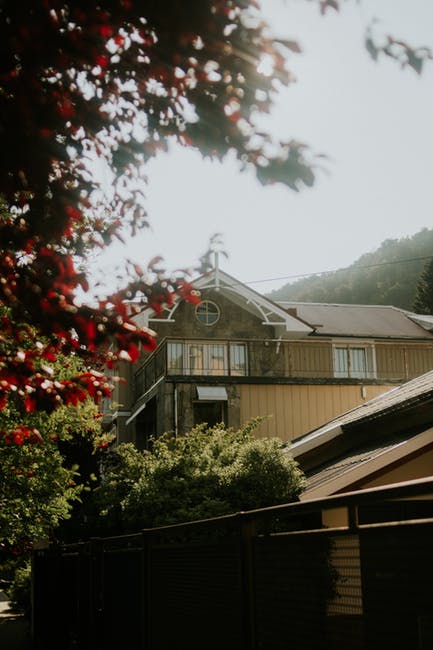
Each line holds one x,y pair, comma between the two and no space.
19,591
207,472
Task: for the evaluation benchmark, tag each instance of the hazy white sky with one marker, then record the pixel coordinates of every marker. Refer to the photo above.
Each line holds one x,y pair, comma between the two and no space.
373,120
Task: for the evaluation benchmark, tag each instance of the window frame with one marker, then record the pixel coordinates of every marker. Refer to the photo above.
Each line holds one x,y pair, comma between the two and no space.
206,314
234,358
369,357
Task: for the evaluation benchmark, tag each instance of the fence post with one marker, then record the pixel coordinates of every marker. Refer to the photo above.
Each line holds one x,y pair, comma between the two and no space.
145,586
247,534
94,587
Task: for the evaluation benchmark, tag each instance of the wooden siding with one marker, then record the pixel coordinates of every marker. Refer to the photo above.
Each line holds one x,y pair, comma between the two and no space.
296,409
419,467
391,361
420,359
402,361
311,360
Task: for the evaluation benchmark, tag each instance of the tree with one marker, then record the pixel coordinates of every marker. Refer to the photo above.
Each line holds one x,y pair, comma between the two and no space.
423,303
207,472
39,472
113,82
46,466
106,87
386,276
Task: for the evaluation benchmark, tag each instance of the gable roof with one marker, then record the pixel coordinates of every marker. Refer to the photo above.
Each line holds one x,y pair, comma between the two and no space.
348,469
368,437
379,321
410,394
286,325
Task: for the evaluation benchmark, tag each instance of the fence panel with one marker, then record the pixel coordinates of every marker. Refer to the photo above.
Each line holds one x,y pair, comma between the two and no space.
195,597
292,583
345,622
122,609
397,575
272,579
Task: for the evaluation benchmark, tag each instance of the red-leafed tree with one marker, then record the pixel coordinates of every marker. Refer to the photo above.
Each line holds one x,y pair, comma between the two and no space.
87,86
107,85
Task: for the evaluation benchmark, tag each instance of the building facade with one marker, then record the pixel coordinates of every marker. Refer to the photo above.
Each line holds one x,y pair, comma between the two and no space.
238,355
384,441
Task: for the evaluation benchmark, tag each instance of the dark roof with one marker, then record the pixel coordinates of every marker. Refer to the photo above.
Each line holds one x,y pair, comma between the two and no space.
399,398
367,438
378,321
351,460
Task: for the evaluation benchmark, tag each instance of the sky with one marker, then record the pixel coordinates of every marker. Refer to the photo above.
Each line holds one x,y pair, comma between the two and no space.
373,121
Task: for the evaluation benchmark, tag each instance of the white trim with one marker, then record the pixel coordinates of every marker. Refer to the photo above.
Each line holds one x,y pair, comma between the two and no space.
303,446
370,357
364,469
254,302
143,404
135,413
264,306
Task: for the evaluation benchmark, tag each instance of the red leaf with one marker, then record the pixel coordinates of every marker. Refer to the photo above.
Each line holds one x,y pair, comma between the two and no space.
133,352
102,60
105,30
30,404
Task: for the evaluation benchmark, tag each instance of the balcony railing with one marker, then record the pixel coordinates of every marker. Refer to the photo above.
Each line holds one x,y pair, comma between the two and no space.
276,359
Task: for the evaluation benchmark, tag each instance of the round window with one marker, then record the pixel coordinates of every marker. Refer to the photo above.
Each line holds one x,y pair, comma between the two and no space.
207,312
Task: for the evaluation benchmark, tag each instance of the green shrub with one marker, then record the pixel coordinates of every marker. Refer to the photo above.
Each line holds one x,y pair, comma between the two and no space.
207,472
19,591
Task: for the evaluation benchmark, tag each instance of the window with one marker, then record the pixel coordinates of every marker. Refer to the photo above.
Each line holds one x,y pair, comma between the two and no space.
175,358
211,412
206,358
207,312
238,359
354,361
197,358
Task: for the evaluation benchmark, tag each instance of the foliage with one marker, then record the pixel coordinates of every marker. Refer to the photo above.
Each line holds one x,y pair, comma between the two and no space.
208,472
88,95
107,87
423,303
20,590
387,276
46,466
39,479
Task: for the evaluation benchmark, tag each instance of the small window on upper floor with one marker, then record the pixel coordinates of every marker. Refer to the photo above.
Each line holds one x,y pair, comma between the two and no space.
355,361
207,312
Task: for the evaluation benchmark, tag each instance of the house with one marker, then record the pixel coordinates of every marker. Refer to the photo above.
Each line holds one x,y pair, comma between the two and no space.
238,355
386,440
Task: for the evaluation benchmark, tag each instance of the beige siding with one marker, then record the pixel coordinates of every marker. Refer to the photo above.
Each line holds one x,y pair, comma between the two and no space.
391,361
420,359
418,467
296,409
400,361
309,360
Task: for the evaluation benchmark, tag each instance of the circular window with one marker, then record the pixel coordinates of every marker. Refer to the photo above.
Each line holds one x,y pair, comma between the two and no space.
207,312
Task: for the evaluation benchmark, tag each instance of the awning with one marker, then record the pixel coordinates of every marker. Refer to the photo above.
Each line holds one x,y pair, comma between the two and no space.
212,393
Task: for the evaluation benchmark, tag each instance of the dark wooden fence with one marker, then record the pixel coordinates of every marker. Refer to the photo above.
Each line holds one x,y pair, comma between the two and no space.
352,571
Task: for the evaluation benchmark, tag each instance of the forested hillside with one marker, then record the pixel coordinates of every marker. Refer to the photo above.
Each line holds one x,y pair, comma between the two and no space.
387,276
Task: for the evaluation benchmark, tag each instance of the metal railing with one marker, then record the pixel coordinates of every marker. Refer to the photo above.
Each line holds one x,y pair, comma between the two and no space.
263,359
349,571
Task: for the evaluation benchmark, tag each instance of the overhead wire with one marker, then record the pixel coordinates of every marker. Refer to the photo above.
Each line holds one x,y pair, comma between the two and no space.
346,268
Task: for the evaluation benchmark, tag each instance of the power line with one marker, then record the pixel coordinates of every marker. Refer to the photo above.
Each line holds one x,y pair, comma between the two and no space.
346,268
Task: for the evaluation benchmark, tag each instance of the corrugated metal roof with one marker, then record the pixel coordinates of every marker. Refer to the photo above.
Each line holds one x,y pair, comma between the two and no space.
358,320
350,461
394,399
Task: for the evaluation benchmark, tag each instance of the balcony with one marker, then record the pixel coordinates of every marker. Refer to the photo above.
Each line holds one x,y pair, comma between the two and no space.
262,360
